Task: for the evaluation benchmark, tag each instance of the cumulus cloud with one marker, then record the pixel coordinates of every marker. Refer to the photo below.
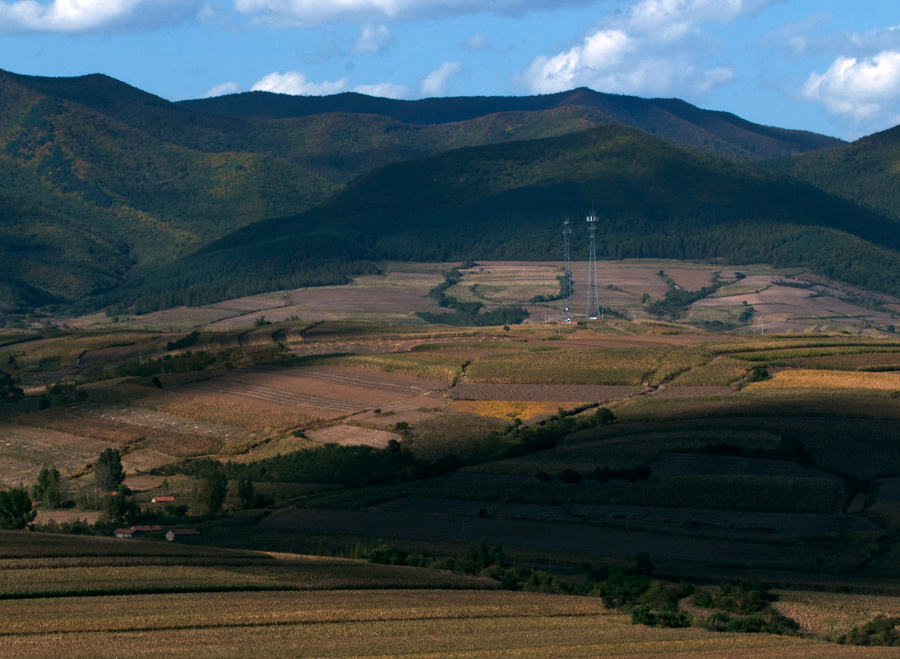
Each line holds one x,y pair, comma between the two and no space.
295,83
373,41
865,90
76,16
435,83
294,13
384,89
655,47
224,88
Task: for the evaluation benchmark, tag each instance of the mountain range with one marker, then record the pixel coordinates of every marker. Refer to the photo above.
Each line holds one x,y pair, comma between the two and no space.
113,196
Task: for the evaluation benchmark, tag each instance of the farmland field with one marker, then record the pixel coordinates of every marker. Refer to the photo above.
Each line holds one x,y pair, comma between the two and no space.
382,624
714,452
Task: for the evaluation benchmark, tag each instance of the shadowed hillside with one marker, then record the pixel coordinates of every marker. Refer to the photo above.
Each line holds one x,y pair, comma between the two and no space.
866,172
506,202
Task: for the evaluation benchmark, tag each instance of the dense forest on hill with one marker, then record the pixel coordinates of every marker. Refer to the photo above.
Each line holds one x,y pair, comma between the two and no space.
507,201
671,119
110,195
866,172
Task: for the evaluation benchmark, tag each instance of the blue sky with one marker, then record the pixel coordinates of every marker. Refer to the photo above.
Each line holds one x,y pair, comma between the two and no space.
824,65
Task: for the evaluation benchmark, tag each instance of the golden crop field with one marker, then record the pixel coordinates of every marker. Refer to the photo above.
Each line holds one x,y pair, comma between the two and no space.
831,614
824,379
505,409
384,623
178,575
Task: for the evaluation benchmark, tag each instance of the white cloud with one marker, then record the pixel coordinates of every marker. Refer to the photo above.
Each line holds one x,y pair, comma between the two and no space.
477,42
866,90
295,83
804,38
654,48
383,89
373,41
293,13
435,83
224,88
75,16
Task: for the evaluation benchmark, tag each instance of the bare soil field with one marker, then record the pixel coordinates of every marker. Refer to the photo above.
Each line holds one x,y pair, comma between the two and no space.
786,303
24,449
245,304
140,423
64,516
631,277
397,296
241,416
350,435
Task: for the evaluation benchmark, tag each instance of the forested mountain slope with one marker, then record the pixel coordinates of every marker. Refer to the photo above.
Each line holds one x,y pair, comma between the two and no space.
671,119
866,171
102,183
507,202
85,197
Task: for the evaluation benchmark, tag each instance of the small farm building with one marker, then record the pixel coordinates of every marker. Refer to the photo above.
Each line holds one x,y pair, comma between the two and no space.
181,533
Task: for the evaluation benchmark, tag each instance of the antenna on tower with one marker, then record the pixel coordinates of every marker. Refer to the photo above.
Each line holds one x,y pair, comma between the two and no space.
566,287
593,296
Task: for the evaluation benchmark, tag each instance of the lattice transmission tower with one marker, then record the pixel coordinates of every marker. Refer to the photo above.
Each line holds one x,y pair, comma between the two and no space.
593,294
566,287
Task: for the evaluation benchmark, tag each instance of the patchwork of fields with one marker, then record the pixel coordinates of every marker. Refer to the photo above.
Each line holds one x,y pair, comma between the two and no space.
717,456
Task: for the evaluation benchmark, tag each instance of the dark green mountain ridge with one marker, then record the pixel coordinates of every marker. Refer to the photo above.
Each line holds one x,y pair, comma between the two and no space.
506,202
671,119
103,183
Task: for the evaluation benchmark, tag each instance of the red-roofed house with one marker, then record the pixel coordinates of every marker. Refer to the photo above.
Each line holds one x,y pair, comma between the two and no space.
162,500
181,533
